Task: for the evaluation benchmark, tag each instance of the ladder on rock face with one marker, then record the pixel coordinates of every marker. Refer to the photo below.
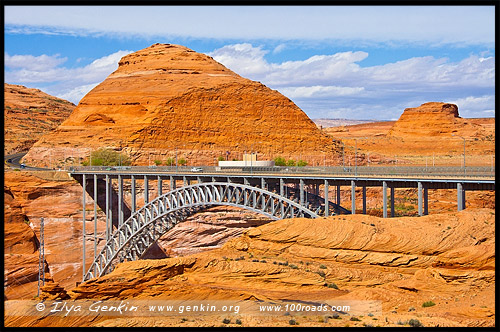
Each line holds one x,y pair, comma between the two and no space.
41,259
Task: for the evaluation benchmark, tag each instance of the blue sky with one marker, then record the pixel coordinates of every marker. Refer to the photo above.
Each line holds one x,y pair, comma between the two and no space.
353,62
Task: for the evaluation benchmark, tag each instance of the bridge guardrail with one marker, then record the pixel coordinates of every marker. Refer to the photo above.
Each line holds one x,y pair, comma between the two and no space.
438,171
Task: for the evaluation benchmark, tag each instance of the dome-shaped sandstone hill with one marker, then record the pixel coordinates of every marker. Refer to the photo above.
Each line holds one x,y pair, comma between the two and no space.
168,97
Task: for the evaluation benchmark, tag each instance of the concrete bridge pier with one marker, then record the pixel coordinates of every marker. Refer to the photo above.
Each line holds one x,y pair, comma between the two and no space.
460,196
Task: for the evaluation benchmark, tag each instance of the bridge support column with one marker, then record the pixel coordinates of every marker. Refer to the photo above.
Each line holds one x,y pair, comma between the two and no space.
109,225
84,184
393,214
172,183
263,186
133,194
338,194
426,201
419,194
364,199
120,200
384,200
353,197
146,190
160,189
95,215
327,207
301,189
282,194
460,197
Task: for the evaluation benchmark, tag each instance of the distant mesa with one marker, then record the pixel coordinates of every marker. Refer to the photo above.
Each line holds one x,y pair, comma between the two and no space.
432,119
167,97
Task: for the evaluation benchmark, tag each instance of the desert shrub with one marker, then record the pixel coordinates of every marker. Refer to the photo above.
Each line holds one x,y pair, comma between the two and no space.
428,304
157,162
293,266
415,323
238,321
322,266
355,319
182,162
226,321
221,158
332,285
279,161
293,322
290,162
301,163
109,157
170,161
321,273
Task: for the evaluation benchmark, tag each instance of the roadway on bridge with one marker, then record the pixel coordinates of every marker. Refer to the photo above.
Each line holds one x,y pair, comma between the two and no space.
13,161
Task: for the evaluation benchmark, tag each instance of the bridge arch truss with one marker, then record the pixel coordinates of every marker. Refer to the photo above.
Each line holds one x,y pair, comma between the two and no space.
134,236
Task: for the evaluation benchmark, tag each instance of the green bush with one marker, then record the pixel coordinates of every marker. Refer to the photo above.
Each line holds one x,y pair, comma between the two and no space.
428,304
109,157
157,162
221,158
279,161
170,161
182,162
293,322
290,162
301,163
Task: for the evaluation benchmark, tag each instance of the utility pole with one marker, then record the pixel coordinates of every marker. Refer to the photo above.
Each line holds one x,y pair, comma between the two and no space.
464,148
41,259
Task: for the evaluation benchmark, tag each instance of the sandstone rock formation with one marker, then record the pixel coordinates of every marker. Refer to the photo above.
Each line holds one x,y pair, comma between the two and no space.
448,259
422,136
168,98
29,114
433,119
21,257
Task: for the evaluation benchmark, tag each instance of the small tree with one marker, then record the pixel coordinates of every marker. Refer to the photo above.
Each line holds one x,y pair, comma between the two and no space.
170,161
109,157
157,162
182,162
290,162
279,161
301,163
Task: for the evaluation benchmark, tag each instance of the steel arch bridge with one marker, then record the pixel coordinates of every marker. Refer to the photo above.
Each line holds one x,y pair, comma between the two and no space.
144,227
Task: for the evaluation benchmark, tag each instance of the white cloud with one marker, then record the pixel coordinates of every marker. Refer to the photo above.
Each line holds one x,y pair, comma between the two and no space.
68,83
318,91
328,82
471,105
423,24
35,63
248,59
78,93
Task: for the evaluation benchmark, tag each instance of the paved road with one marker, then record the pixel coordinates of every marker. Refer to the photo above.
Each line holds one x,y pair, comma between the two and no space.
14,161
